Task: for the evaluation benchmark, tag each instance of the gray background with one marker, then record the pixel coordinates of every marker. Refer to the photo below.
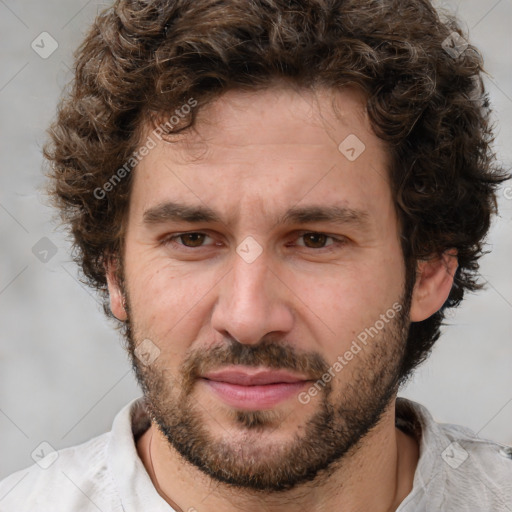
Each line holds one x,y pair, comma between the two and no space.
63,373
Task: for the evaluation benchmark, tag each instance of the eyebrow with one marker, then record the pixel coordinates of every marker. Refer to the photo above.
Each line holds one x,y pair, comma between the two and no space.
331,214
167,212
179,212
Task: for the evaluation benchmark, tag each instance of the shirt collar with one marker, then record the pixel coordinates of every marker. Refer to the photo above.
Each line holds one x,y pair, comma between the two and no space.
136,490
415,420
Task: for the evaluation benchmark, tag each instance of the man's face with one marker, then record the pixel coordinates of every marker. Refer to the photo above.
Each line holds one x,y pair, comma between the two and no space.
267,288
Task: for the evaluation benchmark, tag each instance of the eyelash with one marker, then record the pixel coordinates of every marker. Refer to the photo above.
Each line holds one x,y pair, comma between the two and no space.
170,240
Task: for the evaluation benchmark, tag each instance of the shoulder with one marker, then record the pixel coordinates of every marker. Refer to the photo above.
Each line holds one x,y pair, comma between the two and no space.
74,478
477,467
457,469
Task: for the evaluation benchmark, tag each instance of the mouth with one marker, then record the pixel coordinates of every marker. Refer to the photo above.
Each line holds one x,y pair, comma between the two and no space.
252,388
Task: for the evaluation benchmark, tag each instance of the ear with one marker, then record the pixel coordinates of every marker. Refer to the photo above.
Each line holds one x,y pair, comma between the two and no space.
433,284
114,290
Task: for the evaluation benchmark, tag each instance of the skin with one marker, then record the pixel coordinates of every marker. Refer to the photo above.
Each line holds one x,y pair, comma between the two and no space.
254,156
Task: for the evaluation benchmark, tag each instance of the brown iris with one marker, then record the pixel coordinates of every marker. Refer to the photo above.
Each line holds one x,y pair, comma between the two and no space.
196,239
318,240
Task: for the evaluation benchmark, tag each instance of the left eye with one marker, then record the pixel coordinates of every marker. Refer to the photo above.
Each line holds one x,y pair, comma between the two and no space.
316,240
188,239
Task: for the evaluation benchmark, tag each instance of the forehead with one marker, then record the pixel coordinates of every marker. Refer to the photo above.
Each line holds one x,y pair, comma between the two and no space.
243,118
269,147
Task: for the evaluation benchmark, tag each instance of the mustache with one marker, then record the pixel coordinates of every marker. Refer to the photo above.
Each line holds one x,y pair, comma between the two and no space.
269,353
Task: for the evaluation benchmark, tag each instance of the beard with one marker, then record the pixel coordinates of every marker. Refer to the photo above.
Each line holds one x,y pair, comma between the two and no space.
246,455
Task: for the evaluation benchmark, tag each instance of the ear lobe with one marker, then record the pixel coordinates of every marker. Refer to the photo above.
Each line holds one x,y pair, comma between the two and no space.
115,292
434,282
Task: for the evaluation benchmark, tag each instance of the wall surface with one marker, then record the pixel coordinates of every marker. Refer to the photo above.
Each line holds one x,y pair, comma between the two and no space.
63,373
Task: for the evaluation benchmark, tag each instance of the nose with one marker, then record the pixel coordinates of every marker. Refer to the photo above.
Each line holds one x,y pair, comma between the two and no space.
252,302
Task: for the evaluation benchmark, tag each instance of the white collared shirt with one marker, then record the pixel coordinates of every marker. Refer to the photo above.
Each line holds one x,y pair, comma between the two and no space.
457,471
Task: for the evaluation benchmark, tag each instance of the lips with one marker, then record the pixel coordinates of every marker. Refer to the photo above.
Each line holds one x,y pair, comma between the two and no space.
253,376
252,388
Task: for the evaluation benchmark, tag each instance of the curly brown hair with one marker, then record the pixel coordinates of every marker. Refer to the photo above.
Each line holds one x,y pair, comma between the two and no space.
144,58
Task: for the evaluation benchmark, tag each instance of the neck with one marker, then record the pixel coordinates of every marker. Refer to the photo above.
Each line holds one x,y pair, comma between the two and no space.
376,476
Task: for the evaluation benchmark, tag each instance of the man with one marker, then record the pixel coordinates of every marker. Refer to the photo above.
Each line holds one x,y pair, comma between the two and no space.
279,200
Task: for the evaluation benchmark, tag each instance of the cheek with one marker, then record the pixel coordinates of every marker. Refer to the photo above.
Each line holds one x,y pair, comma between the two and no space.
344,301
169,305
